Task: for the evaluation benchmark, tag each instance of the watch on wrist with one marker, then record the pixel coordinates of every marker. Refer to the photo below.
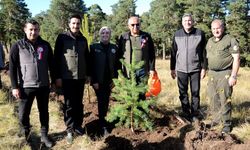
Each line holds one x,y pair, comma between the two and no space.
234,76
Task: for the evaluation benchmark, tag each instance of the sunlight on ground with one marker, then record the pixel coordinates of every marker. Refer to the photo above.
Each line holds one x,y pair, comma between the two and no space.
169,96
168,99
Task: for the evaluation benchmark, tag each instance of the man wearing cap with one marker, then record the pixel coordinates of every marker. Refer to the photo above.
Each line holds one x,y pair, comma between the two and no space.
223,62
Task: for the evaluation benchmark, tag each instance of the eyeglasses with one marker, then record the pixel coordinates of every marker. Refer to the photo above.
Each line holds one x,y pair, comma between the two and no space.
107,32
137,25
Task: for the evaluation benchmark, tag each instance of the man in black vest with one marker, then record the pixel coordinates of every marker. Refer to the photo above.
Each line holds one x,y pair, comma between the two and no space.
30,59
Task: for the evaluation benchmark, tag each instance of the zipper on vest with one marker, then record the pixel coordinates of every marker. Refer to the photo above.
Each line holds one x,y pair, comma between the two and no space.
187,53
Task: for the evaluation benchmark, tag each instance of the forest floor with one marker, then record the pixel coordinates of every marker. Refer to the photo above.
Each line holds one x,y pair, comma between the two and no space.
170,130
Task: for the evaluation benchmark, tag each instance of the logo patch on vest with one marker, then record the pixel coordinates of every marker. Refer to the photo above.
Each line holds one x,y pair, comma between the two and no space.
236,48
40,53
97,50
113,51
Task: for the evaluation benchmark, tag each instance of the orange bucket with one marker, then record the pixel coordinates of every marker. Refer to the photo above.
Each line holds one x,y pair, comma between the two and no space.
154,85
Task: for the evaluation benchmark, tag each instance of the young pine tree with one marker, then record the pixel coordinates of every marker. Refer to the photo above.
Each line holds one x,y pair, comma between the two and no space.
130,110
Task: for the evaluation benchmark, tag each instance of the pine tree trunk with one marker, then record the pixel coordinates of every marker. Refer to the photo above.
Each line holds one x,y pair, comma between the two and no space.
131,121
163,51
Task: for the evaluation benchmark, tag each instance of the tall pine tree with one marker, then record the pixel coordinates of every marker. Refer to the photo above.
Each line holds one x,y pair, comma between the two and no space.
164,21
13,14
118,20
48,30
204,11
237,24
61,10
85,29
96,17
56,20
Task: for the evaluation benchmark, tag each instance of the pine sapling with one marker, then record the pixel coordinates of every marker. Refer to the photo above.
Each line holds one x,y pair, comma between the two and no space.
131,110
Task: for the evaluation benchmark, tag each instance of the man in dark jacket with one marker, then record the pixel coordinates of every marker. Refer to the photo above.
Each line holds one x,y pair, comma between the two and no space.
104,66
188,61
30,59
141,44
71,58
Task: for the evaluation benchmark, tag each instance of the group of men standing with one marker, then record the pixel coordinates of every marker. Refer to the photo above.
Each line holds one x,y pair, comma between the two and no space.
192,56
72,64
32,64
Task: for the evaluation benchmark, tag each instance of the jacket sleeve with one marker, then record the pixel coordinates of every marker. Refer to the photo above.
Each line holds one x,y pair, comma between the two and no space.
87,57
14,64
121,46
173,55
204,63
118,65
91,66
120,52
58,55
2,56
151,54
51,64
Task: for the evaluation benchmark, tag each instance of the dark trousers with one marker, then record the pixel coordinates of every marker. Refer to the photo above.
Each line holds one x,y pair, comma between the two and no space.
183,80
1,84
73,106
27,97
103,94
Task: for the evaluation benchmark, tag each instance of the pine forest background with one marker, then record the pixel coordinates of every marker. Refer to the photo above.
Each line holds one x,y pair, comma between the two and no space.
162,20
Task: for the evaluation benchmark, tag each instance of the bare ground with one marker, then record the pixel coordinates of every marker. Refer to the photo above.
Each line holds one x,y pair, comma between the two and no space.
170,132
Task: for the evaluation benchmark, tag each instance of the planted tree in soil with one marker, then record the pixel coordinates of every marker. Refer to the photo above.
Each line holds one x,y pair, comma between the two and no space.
131,110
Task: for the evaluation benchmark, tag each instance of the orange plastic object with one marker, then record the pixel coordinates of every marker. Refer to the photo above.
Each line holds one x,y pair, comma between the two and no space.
154,84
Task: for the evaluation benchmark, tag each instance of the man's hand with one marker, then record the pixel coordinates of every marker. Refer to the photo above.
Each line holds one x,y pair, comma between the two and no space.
232,80
16,93
53,87
173,74
151,73
203,73
96,86
58,83
88,80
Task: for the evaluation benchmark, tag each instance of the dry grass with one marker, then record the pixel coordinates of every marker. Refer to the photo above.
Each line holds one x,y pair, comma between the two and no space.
242,131
168,99
169,96
9,127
